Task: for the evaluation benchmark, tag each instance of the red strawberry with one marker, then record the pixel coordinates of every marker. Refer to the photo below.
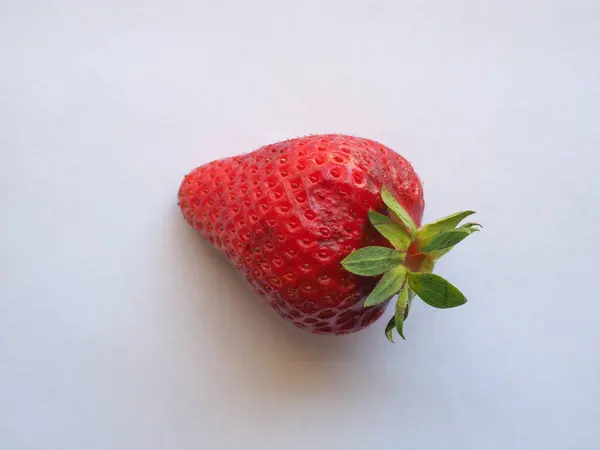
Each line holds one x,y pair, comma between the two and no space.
288,214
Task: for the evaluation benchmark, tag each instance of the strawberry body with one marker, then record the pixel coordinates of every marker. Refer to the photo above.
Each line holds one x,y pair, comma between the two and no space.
288,213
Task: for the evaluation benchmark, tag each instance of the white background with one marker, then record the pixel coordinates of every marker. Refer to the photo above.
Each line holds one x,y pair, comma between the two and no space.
121,330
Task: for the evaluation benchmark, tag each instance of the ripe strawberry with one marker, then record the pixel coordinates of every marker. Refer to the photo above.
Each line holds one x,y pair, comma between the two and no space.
292,215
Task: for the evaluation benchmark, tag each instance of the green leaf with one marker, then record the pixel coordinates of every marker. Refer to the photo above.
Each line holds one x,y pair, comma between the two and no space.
435,290
437,254
411,295
401,310
426,232
399,211
448,239
389,285
471,225
389,329
371,261
448,222
391,230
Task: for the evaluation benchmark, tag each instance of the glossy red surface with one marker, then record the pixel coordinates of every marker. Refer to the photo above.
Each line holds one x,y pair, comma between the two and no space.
288,213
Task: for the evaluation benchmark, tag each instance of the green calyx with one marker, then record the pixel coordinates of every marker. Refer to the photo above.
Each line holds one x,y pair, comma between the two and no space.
408,273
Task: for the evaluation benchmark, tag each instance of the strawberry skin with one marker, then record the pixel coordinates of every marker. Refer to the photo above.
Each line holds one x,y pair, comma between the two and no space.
288,213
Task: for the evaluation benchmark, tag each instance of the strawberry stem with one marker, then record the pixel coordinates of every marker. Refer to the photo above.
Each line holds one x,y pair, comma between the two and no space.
407,269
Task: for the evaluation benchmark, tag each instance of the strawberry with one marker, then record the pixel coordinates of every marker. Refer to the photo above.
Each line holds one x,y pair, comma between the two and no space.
320,223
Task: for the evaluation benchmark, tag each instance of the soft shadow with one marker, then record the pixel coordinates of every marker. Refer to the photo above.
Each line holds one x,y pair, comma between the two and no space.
250,342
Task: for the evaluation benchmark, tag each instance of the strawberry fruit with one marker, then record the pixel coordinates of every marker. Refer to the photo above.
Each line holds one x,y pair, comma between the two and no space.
327,229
